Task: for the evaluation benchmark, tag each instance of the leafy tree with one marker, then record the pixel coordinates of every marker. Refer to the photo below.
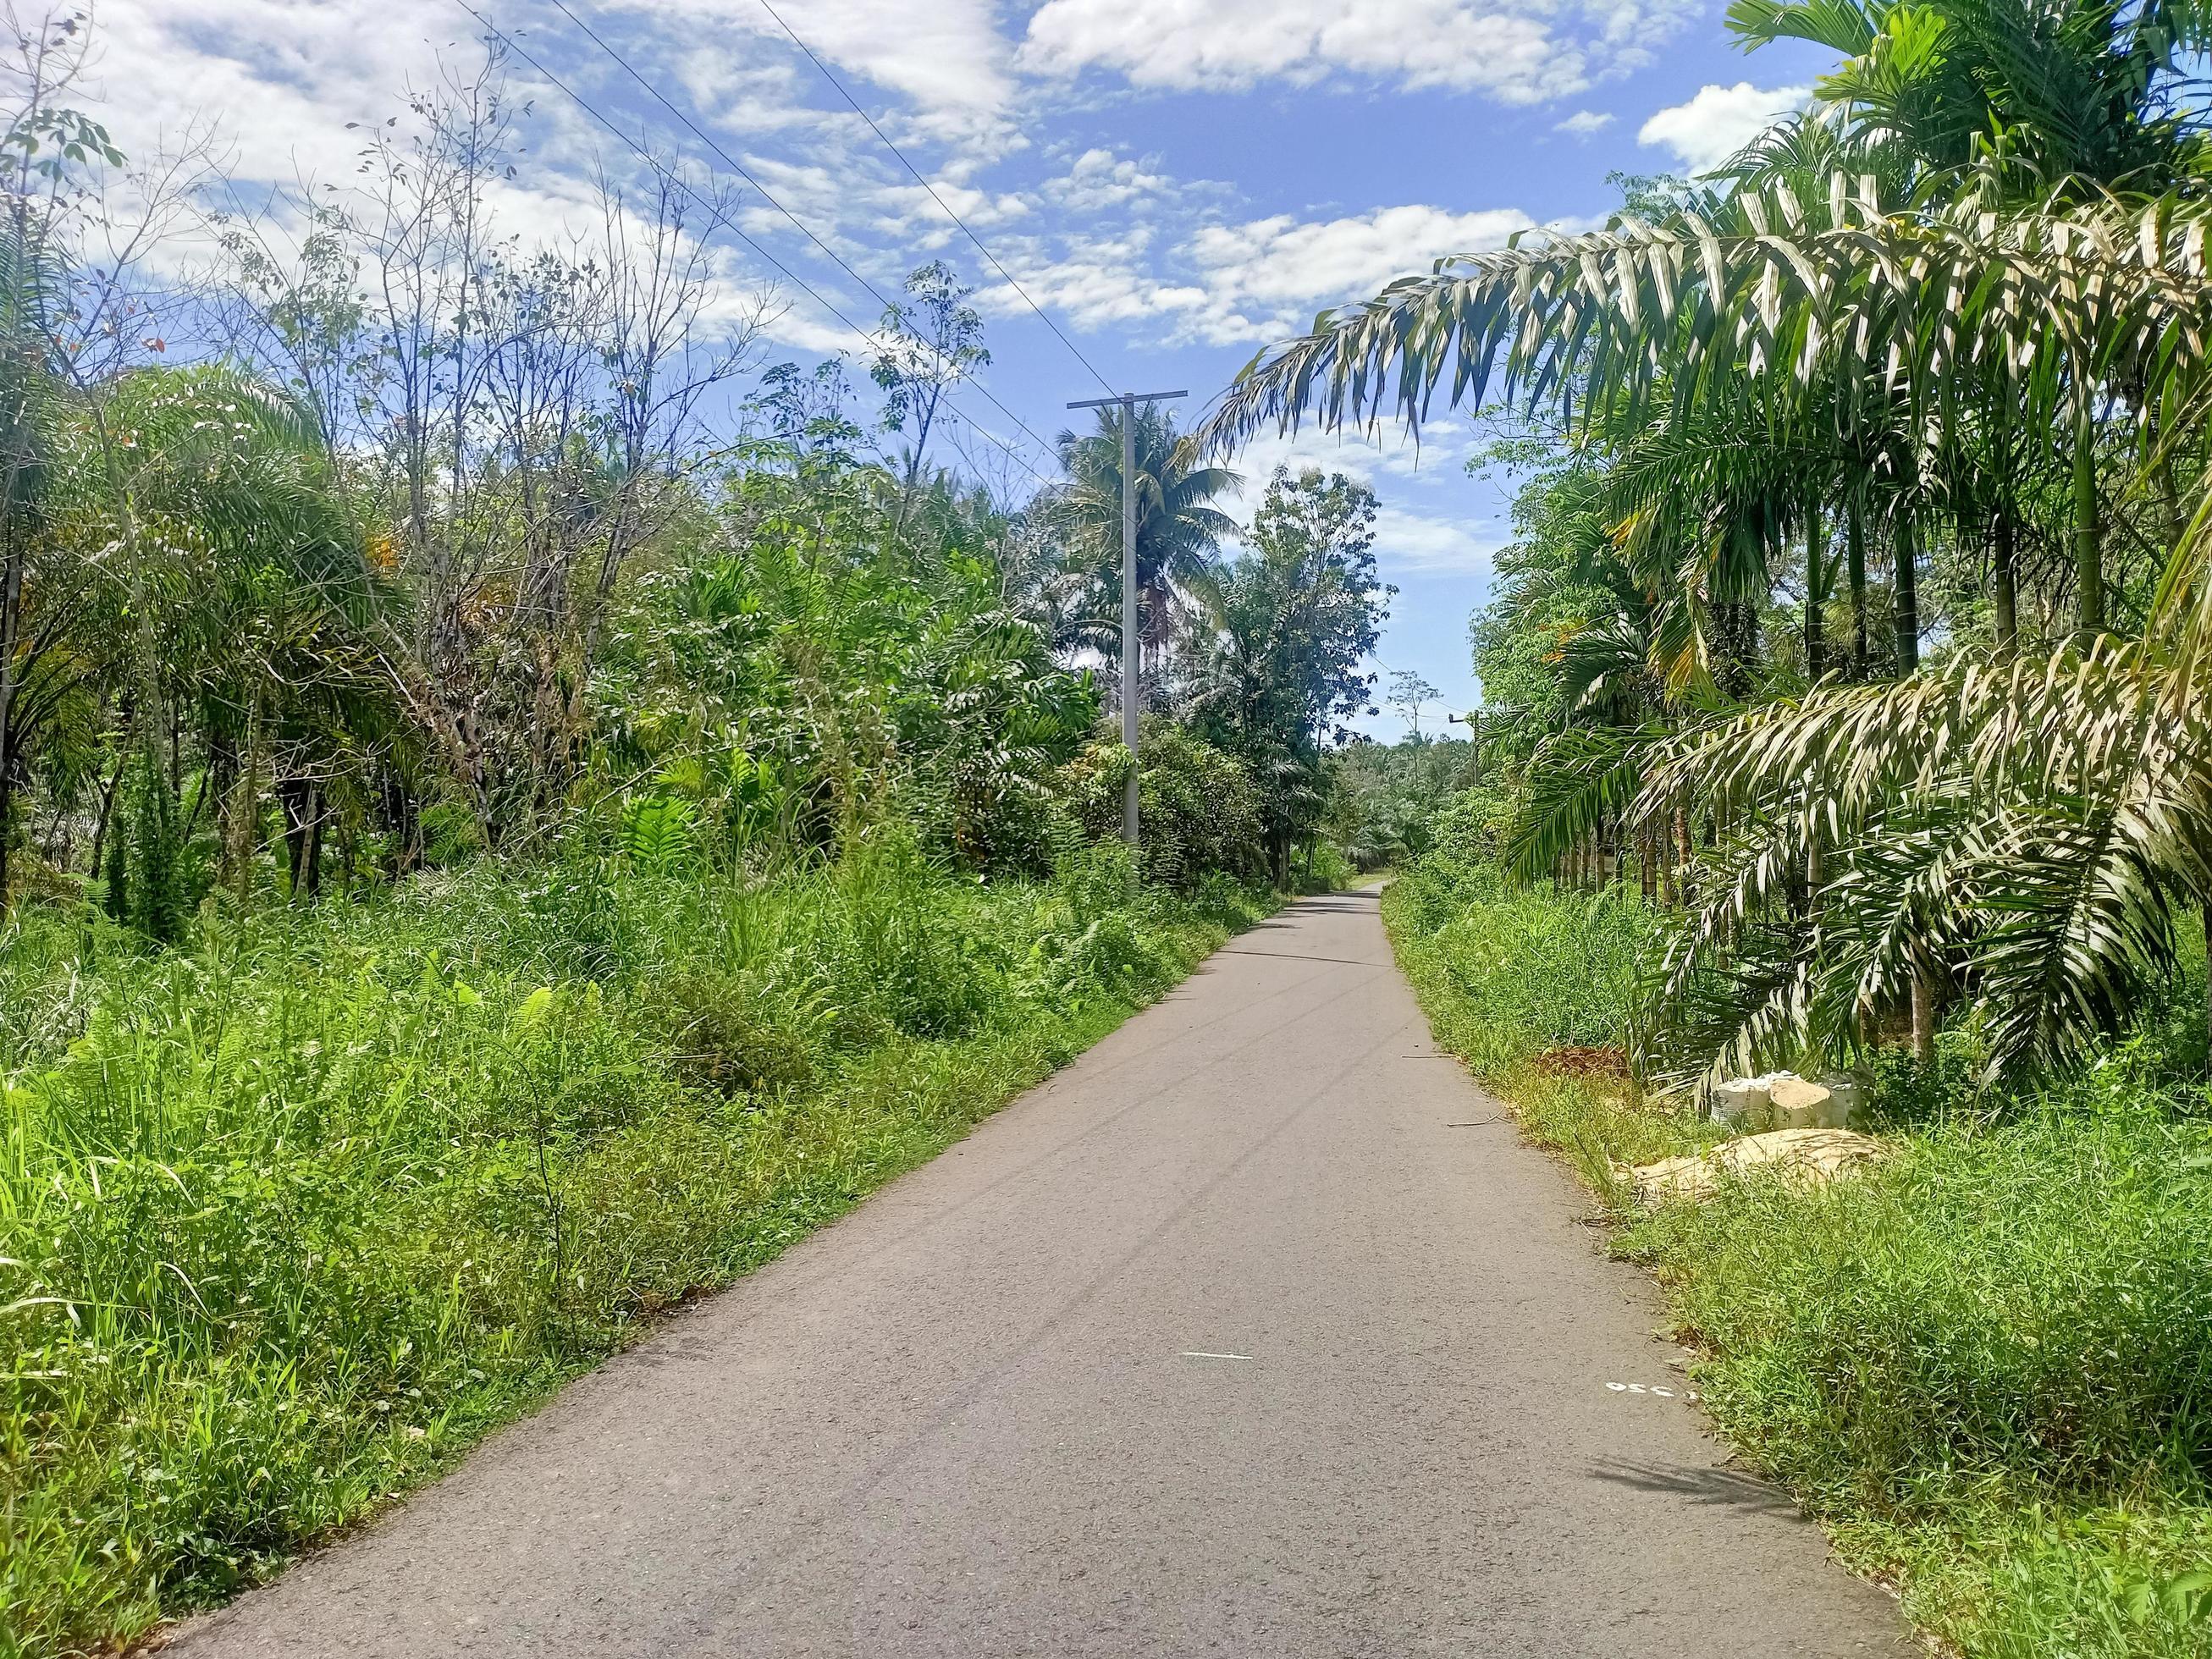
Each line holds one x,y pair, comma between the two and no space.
1293,622
929,344
1202,809
1409,695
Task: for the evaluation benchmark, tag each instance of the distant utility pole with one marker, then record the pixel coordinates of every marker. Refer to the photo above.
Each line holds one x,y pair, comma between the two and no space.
1129,402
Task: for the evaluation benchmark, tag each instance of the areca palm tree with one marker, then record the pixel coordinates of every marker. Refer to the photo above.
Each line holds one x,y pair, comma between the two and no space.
1179,528
2089,91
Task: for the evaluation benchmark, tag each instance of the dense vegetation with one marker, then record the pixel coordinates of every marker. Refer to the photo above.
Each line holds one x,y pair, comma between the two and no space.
296,1213
1861,598
1846,708
514,805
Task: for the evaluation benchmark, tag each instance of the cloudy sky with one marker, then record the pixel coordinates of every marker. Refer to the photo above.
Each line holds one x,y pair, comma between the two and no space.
1175,182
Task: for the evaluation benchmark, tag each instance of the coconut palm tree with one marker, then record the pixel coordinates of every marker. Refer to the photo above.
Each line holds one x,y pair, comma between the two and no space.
1179,528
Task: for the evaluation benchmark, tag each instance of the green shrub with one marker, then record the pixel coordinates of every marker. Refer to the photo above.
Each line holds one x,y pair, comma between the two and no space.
1200,807
1521,971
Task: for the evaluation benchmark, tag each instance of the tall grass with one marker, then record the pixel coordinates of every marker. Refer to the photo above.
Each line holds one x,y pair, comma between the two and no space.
291,1219
1988,1369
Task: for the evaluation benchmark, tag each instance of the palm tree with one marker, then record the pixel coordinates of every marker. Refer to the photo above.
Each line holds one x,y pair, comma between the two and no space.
1179,530
2024,830
270,599
2082,91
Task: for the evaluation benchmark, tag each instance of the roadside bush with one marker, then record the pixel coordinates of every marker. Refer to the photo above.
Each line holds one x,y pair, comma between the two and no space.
1521,970
1200,807
2025,1306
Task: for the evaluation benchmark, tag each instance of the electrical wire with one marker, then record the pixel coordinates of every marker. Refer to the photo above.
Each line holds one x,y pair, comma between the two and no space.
815,58
769,196
683,185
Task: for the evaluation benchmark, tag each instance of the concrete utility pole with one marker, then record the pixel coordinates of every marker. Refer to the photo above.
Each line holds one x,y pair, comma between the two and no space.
1129,402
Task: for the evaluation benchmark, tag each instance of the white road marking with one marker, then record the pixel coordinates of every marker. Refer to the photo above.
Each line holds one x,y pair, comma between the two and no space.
1192,1353
1651,1389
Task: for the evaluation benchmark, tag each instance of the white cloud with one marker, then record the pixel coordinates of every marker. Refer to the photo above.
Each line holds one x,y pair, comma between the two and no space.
1517,53
1281,262
1098,180
946,58
1584,122
1247,283
1405,541
1387,457
1097,281
1408,539
283,79
1719,121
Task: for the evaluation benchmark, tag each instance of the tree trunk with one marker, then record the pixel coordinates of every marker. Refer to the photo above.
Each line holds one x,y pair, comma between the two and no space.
11,618
2004,577
296,797
1924,1016
1855,538
1908,600
2088,552
107,814
241,834
2169,497
315,843
1816,641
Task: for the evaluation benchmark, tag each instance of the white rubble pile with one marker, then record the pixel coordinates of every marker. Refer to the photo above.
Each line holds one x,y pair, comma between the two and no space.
1783,1100
1808,1158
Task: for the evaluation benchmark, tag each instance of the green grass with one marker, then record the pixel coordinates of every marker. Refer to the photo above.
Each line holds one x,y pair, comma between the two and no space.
1988,1369
293,1218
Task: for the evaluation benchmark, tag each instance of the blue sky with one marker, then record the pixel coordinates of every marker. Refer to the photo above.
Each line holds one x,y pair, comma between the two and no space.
1176,183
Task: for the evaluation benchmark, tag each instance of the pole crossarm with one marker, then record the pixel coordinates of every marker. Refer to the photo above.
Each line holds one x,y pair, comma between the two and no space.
1128,397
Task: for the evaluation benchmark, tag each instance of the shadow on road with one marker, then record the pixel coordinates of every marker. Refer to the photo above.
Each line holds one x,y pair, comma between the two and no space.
1723,1487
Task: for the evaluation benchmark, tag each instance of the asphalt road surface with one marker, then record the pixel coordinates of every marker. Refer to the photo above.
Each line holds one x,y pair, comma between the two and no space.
1255,1332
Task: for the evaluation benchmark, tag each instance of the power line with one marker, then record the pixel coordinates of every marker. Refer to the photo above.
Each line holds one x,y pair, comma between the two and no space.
683,185
816,60
769,196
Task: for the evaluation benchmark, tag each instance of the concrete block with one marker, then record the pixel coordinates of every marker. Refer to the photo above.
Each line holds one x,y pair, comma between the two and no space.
1799,1104
1743,1102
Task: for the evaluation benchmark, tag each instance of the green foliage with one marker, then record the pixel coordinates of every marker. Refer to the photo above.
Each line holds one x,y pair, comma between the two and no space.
1199,809
290,1217
115,894
1517,971
157,900
1179,528
1294,620
1384,799
809,667
929,343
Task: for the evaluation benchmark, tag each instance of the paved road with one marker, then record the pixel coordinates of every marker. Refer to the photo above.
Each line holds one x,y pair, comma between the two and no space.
1255,1332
